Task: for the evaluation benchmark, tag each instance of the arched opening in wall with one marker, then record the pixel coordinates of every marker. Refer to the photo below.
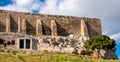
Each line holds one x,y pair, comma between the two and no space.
45,29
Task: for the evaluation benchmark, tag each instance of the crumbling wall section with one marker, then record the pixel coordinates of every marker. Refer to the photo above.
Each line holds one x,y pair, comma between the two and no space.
61,44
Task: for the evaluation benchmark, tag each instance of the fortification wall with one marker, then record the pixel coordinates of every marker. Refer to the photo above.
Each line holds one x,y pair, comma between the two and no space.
65,24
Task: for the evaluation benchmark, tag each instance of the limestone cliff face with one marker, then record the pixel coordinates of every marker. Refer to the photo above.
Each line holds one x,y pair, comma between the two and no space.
37,24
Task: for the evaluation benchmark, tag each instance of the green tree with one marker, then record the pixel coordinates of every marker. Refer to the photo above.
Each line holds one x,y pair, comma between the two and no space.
100,42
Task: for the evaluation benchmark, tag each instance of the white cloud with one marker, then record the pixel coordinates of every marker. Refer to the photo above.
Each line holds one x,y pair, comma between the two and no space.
116,36
106,10
24,6
88,8
50,7
15,8
24,3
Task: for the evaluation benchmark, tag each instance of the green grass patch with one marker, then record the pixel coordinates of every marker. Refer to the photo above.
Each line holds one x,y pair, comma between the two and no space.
47,57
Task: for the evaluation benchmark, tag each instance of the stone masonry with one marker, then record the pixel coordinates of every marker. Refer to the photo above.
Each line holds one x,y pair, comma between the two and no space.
39,24
52,33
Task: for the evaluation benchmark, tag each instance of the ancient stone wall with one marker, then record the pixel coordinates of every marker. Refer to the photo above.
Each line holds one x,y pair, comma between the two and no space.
27,23
61,44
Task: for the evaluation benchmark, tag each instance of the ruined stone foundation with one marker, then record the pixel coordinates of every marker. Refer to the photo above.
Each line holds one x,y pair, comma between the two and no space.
52,33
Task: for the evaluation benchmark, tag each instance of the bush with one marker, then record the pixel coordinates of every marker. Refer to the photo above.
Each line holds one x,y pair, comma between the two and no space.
100,42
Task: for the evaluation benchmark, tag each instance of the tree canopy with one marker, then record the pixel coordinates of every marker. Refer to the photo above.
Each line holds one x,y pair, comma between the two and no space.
100,42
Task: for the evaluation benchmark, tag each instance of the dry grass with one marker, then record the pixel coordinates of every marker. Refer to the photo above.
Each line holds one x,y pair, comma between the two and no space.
47,57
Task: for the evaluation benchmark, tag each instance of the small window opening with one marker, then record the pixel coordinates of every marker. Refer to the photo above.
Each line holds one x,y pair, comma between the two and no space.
13,42
8,43
1,41
27,43
21,43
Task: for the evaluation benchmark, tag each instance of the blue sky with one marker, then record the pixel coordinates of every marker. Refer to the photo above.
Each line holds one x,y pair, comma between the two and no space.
106,10
5,2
